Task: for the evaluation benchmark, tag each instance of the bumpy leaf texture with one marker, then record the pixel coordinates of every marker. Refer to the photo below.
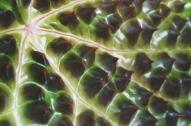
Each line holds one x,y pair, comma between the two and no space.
95,63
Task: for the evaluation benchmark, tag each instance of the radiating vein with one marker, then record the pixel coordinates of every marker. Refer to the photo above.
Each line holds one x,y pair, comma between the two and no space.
30,12
62,8
18,75
114,51
17,29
